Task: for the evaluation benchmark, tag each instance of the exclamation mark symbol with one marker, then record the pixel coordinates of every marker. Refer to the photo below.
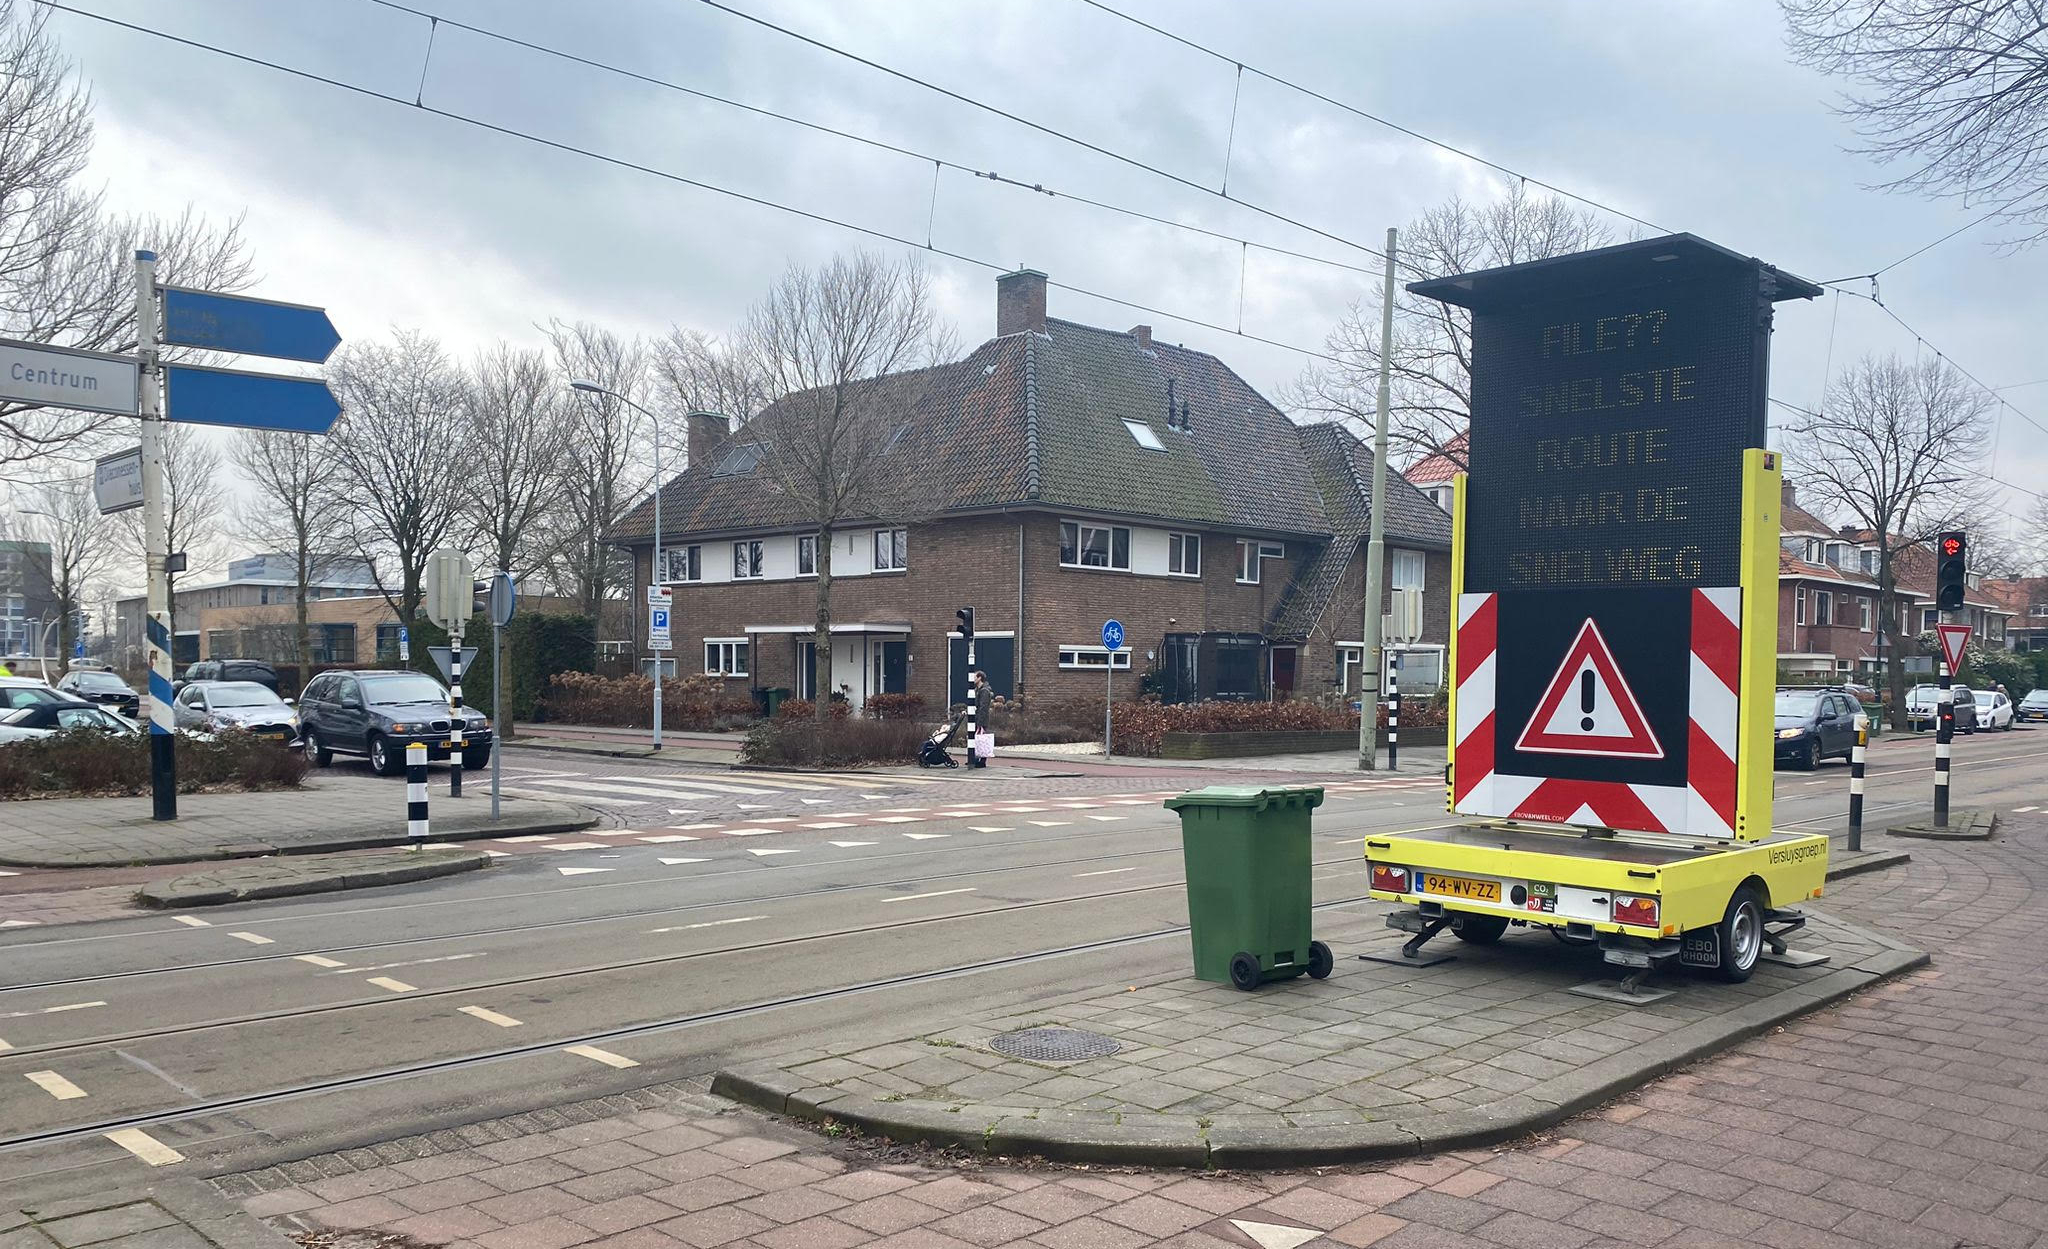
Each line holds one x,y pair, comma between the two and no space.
1586,700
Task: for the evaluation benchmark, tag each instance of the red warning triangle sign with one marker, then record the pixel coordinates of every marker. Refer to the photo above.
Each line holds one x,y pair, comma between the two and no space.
1954,637
1588,709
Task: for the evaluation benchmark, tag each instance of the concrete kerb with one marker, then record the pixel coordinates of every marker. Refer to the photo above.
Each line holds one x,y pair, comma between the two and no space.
1972,825
285,878
1283,1144
193,1204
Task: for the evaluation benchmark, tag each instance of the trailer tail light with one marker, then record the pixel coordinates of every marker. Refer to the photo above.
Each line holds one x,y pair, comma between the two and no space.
1389,879
1635,911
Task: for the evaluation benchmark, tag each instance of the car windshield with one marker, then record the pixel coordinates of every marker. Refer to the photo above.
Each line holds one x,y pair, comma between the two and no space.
106,682
241,694
1795,705
18,696
2036,698
85,718
17,716
1985,699
406,689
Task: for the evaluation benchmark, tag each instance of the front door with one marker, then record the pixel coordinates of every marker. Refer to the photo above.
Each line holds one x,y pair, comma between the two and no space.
895,667
807,668
1283,672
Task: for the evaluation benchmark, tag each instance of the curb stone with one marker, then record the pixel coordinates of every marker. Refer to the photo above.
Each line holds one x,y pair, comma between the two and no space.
571,820
1868,861
196,1207
285,880
1976,825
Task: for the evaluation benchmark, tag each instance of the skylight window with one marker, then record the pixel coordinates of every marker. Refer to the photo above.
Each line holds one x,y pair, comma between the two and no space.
1142,431
739,461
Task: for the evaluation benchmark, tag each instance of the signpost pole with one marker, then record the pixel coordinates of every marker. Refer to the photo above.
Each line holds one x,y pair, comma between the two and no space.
1944,733
455,712
1112,642
497,711
660,656
1376,534
163,766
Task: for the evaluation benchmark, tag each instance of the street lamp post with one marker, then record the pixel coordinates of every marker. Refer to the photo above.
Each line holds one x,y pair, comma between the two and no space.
655,569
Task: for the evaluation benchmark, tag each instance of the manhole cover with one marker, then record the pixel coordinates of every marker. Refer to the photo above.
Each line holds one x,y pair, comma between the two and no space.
1053,1045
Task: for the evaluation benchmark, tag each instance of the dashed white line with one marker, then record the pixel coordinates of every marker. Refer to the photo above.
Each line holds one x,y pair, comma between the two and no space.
252,938
748,832
898,819
520,841
824,824
1107,818
490,1016
394,986
55,1085
925,836
4,1046
606,1057
710,923
576,845
1050,823
146,1147
192,921
2023,810
667,839
766,851
848,845
1111,871
319,960
937,893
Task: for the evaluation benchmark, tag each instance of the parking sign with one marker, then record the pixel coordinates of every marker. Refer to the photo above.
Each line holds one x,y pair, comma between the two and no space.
657,628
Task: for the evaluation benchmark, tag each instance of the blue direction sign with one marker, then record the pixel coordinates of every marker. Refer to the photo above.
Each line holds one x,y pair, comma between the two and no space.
1113,634
257,327
203,396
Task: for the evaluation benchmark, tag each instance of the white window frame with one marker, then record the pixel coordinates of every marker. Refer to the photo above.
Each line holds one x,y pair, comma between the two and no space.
1929,617
756,560
689,556
1144,435
1082,529
1864,612
723,657
1177,545
1799,604
1419,562
1090,658
1252,555
887,538
807,543
1823,608
1350,663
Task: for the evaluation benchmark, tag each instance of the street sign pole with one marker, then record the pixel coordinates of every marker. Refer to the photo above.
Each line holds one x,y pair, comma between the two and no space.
156,542
1112,641
503,600
1376,534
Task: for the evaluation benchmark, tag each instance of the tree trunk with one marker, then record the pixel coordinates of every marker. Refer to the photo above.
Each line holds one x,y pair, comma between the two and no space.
822,638
304,640
1894,653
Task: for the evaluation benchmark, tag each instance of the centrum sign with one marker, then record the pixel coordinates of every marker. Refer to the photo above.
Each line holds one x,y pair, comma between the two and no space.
63,377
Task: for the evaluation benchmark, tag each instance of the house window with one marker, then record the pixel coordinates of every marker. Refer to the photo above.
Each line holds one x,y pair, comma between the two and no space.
892,550
1799,605
746,560
725,657
807,555
1082,657
1184,554
739,461
1095,546
683,563
2037,610
1405,571
1813,550
1144,434
1835,550
1929,617
1251,556
222,644
387,642
1863,614
1870,561
335,643
1349,659
1823,607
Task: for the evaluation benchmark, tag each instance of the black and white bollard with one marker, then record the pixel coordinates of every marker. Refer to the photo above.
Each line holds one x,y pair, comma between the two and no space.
1856,755
1394,711
1944,735
455,716
416,793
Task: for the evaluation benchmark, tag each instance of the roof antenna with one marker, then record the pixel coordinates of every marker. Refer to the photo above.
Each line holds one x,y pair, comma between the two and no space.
1169,404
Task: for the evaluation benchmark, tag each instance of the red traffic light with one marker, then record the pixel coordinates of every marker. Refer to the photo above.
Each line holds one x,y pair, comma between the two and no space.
1951,546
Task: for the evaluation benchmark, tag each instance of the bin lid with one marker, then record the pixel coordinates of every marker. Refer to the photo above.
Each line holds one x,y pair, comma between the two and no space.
1256,797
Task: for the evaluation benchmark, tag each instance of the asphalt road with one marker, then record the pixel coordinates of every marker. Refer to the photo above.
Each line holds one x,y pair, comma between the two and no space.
243,1035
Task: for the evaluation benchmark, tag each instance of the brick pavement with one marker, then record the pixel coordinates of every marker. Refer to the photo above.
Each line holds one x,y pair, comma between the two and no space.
1915,1114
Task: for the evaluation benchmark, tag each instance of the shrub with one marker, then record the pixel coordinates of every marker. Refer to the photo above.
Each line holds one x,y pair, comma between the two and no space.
894,707
693,703
87,763
805,709
1018,722
840,742
1138,728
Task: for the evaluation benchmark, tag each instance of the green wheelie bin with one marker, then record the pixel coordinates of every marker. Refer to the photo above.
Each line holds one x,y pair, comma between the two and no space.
1248,853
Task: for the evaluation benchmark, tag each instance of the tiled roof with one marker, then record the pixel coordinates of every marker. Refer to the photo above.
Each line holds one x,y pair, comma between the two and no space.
1793,518
1441,465
1790,565
2016,594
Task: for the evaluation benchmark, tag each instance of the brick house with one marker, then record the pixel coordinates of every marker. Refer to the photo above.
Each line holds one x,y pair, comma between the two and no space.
2025,600
1069,474
1432,473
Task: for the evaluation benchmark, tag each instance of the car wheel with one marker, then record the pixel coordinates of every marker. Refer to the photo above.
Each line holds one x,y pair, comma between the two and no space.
316,750
476,760
1809,756
383,761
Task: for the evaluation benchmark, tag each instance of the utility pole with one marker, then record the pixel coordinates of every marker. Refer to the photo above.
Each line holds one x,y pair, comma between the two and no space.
1376,534
156,541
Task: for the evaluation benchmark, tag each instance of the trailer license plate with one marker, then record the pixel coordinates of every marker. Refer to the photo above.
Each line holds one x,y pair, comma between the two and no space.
1700,948
1462,887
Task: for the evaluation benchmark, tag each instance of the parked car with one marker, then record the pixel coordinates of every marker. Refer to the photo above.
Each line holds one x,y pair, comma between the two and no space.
41,719
1923,708
19,692
98,685
231,670
2033,707
375,713
1994,711
210,706
1814,724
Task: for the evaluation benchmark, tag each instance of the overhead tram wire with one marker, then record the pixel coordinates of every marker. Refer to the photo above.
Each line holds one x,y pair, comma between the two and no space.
697,183
1809,412
1943,356
867,140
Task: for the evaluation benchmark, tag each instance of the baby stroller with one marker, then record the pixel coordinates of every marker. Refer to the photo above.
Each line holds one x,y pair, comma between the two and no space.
933,753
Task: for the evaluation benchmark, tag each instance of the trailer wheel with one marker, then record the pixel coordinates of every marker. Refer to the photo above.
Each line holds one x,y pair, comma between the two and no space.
1480,929
1741,934
1244,970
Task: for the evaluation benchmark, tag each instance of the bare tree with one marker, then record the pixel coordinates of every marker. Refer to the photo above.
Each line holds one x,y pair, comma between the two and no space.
193,501
840,347
1895,452
297,508
400,445
64,515
606,471
695,372
1432,364
518,426
1953,93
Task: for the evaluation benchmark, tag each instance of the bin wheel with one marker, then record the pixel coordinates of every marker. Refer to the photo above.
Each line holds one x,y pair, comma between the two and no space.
1741,936
1320,961
1244,971
1481,929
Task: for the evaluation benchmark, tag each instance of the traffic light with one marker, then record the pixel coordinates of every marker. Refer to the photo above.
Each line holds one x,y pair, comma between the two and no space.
966,615
1951,570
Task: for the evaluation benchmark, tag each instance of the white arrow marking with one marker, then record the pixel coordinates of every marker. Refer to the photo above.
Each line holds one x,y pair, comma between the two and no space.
773,850
1275,1235
581,871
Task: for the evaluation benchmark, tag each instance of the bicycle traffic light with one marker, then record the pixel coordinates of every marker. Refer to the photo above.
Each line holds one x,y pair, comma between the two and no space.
966,615
1951,570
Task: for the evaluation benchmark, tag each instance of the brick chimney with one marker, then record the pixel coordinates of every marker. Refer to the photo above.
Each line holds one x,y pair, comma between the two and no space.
1788,495
1143,333
705,431
1020,302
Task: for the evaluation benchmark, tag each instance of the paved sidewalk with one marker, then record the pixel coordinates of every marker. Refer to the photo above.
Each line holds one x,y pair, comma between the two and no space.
176,1214
330,813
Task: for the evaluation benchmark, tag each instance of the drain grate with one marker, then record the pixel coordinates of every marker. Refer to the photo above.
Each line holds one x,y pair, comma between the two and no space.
1054,1045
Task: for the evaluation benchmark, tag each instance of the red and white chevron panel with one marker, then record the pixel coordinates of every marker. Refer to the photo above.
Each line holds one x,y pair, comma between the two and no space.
1703,807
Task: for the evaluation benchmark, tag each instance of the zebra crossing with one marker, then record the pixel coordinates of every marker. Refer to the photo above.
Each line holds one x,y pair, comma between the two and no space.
642,789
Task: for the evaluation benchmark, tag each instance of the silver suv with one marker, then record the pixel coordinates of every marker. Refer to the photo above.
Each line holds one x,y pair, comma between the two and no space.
1923,707
377,713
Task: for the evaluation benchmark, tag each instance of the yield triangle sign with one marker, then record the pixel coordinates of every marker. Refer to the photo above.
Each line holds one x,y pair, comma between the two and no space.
1953,638
1588,709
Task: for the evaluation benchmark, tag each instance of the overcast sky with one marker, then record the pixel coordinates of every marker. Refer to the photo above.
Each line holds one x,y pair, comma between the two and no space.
1688,115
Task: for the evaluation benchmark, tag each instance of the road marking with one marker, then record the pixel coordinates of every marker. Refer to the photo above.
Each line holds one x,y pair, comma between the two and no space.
658,791
1021,810
146,1147
498,854
2021,810
765,851
576,845
823,824
1107,818
749,832
395,986
683,810
876,797
19,923
582,871
520,841
848,845
252,938
51,1010
55,1085
606,1057
899,819
319,960
490,1016
1109,871
955,815
755,806
937,893
1050,823
814,802
925,836
1275,1235
710,923
4,1046
990,828
10,873
667,839
695,828
839,815
674,862
192,921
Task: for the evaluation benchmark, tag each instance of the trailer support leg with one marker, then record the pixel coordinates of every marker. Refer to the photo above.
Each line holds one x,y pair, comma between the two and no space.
1411,955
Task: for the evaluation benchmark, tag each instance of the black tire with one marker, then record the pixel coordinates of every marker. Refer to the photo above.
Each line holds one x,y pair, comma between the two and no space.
1741,934
382,760
1320,961
1481,929
1809,756
475,760
317,751
1244,971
